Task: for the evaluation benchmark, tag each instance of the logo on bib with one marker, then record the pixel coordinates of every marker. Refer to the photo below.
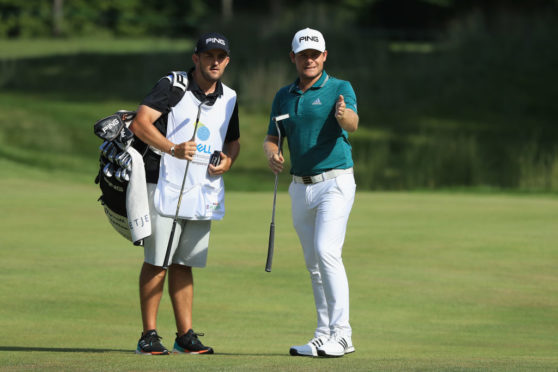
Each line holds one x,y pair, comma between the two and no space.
203,132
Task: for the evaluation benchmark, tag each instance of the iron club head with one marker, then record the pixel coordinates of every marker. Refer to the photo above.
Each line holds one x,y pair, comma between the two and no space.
108,170
107,149
120,158
128,163
125,176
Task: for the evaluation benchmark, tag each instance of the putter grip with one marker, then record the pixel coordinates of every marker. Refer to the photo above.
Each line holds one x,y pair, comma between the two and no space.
270,247
167,253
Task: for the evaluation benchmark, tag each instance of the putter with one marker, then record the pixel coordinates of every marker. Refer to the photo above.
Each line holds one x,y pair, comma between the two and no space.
171,237
271,242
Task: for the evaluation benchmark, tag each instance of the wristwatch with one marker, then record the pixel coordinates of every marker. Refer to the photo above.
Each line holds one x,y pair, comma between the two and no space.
172,151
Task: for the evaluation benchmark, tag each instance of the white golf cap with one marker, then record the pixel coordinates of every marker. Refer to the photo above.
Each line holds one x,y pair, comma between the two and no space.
308,39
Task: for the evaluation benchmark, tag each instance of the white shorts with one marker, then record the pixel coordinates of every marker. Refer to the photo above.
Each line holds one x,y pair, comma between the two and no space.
190,243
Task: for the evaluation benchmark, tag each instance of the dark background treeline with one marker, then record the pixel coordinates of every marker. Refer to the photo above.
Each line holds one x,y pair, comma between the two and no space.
400,19
451,93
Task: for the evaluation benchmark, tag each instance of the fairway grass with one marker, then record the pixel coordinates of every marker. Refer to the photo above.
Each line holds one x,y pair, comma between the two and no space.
439,281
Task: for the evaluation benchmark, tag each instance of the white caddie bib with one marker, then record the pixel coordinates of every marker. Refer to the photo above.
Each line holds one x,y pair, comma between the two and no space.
203,197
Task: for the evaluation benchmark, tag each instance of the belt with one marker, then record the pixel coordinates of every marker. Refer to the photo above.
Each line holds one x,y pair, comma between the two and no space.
308,180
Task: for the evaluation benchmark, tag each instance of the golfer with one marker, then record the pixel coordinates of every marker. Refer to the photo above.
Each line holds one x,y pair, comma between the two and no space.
167,128
322,109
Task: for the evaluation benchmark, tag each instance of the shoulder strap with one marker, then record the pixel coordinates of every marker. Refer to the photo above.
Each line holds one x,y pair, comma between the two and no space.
178,79
179,84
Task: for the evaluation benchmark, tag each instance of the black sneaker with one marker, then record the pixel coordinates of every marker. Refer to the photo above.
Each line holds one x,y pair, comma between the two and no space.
188,343
150,344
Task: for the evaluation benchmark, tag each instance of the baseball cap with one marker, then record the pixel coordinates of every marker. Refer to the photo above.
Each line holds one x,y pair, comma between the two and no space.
212,40
308,39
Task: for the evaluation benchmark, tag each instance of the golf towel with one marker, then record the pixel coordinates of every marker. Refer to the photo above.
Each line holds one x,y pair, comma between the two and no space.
137,206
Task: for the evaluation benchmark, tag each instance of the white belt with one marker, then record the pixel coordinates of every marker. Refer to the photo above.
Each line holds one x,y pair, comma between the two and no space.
307,180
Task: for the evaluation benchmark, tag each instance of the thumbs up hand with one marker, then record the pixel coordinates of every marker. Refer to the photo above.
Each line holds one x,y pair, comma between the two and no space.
340,107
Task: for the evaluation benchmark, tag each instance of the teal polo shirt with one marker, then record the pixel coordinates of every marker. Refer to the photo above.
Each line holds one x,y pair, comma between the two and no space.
316,141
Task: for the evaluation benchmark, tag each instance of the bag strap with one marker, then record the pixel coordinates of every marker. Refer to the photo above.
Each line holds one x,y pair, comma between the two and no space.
179,85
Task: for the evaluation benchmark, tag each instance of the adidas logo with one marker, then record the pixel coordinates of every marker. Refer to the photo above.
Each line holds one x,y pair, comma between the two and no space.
317,102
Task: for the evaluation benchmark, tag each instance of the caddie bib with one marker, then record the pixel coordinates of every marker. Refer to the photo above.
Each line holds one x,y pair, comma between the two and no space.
203,197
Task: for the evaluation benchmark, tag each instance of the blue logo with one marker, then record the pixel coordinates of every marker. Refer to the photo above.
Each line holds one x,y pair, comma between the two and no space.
203,133
204,148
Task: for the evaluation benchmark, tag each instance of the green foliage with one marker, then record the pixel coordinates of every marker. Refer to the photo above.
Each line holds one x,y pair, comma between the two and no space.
34,18
475,109
24,18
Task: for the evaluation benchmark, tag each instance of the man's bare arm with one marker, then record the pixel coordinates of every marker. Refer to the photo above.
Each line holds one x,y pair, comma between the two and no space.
143,128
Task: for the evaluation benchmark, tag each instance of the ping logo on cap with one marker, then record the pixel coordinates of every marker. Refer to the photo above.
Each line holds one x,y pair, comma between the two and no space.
215,40
309,38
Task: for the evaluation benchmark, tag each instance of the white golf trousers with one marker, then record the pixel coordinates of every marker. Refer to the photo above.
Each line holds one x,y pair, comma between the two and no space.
320,214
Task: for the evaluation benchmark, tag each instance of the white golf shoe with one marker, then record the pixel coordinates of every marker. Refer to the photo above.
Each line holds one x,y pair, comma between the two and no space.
310,349
336,346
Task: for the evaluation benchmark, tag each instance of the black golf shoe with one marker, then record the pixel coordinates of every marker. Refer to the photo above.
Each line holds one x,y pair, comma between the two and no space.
189,343
150,344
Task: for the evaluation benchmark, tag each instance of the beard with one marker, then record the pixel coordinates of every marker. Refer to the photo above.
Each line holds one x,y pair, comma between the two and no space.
208,77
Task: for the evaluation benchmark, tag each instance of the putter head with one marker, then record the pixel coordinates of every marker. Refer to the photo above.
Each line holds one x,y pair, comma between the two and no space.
281,117
277,119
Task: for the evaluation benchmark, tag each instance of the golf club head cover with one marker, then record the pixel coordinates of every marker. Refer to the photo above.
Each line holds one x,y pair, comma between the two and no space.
124,139
109,128
126,116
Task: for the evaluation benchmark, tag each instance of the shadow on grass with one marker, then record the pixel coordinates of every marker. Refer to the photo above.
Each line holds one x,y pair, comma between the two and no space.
63,349
98,351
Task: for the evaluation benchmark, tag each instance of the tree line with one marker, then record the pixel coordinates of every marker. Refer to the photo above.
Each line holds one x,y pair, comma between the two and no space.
179,18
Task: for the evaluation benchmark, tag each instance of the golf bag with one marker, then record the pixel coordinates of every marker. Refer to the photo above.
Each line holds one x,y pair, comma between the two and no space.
115,170
123,201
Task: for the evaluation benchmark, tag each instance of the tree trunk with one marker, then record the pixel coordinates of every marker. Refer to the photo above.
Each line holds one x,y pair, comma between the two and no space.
57,17
227,10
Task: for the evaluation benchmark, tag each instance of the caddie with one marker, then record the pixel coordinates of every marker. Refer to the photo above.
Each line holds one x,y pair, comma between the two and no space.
322,111
167,127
